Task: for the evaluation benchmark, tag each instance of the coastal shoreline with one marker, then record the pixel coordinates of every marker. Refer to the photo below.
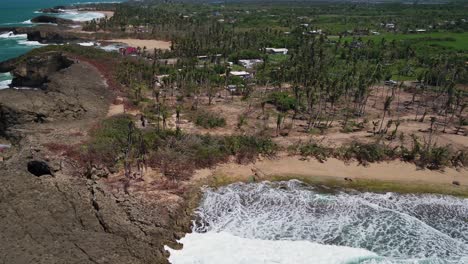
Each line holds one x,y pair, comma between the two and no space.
391,176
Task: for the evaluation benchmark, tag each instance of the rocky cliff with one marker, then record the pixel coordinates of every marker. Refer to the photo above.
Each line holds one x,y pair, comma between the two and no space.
50,212
35,71
63,95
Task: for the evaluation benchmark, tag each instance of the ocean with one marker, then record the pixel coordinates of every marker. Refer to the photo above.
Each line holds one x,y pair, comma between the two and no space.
292,223
18,13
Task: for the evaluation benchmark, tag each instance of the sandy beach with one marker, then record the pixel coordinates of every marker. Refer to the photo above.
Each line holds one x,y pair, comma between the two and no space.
150,44
285,166
108,14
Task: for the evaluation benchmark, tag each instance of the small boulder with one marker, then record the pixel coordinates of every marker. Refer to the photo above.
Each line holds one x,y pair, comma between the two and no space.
39,168
457,183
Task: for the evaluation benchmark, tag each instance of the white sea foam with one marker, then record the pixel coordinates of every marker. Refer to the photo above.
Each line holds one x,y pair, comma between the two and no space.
11,35
31,43
222,247
399,228
21,39
112,47
5,84
80,16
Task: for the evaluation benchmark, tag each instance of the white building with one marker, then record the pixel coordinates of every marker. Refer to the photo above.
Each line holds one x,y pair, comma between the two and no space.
249,64
241,74
283,51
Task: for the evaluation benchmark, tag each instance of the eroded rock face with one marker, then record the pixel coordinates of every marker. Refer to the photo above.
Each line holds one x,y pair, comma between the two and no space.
46,36
71,93
35,71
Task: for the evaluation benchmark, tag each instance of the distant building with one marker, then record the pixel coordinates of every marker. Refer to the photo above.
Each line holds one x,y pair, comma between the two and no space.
421,31
241,74
390,26
315,32
249,64
375,33
283,51
232,88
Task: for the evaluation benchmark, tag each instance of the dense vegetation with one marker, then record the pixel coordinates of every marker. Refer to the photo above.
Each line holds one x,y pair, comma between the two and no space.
339,55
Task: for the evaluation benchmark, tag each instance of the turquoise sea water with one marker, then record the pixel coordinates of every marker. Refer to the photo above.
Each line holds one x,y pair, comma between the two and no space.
14,13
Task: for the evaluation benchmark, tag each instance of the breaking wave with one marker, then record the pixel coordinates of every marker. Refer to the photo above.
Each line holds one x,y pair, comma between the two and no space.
256,221
80,16
11,35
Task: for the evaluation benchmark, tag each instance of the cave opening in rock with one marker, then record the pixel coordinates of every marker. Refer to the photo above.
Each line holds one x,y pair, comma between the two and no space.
39,168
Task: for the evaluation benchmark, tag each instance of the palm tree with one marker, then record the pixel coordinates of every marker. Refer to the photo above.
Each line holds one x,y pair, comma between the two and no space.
387,103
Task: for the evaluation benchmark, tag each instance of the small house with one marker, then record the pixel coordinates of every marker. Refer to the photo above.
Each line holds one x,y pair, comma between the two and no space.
241,74
283,51
315,32
249,64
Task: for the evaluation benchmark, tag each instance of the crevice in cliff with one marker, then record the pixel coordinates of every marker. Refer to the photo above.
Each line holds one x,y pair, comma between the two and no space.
86,253
96,207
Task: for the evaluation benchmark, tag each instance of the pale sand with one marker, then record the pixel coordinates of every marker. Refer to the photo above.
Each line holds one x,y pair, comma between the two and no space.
109,14
393,171
150,44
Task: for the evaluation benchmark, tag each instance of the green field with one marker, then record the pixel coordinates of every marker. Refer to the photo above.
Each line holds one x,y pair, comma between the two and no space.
458,41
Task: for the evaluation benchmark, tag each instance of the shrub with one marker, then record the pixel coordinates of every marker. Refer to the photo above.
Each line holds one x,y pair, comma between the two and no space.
366,152
177,156
258,145
108,141
314,150
283,101
435,158
460,158
209,120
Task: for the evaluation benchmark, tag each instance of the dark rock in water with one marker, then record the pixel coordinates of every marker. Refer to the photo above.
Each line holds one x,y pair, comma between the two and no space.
34,71
7,29
8,65
51,19
45,37
39,168
55,10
